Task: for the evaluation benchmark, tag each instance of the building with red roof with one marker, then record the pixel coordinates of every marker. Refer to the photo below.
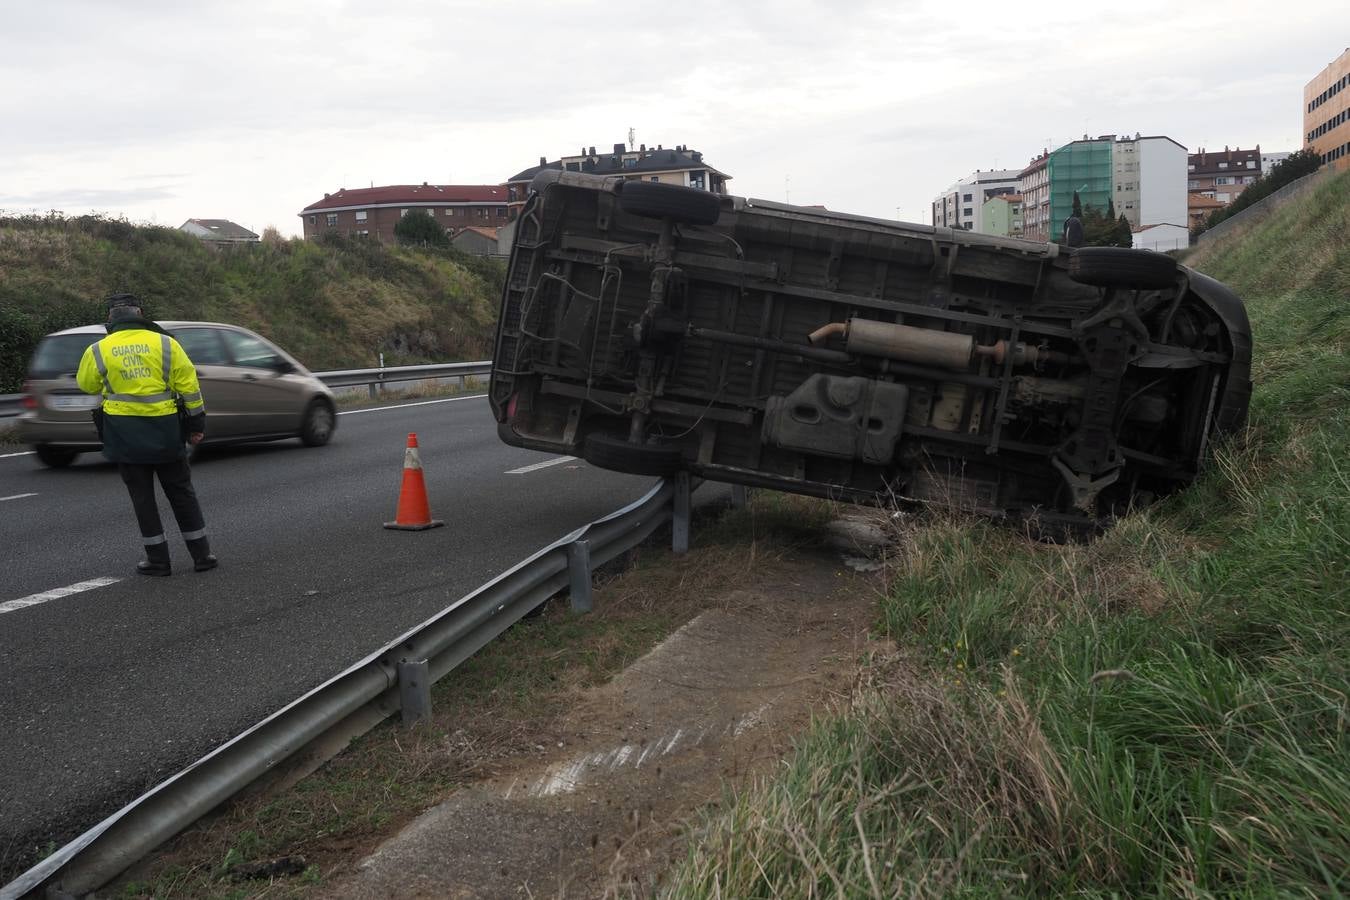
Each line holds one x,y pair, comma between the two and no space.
374,211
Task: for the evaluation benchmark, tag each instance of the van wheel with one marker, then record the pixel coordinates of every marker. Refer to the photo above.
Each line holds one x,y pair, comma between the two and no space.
55,457
1122,267
669,201
609,452
316,429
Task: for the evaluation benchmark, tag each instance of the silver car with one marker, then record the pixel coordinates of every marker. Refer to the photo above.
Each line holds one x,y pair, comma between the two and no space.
254,391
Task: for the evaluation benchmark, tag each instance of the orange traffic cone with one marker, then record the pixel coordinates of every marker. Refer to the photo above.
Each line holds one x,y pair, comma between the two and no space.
414,513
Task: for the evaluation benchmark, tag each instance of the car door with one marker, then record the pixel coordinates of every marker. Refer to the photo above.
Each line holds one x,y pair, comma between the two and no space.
225,393
273,393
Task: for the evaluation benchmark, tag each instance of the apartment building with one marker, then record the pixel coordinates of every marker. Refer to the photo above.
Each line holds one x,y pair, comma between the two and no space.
1143,178
1223,175
677,165
1003,215
1033,185
374,211
1326,113
962,204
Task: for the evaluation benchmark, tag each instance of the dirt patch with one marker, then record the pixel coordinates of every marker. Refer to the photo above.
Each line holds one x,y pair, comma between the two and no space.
601,808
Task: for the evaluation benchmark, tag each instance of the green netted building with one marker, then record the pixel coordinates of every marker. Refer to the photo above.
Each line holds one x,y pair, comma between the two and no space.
1082,166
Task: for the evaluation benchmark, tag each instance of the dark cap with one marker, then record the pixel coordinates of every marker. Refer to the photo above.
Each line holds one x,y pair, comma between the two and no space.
115,301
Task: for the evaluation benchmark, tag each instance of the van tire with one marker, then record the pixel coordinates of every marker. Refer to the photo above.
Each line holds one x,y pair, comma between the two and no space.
655,200
55,457
609,452
1122,267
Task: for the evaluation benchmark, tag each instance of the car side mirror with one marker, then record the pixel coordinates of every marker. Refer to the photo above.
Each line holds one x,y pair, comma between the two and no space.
283,367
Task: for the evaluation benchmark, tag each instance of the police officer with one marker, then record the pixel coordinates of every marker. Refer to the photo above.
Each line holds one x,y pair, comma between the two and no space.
138,368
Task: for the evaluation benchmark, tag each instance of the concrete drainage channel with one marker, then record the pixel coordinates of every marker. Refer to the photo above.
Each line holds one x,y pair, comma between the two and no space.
397,678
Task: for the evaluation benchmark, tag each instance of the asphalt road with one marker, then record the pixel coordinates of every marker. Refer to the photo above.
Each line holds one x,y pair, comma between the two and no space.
106,691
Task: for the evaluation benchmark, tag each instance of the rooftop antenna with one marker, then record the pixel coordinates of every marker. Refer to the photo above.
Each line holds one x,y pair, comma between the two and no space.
632,136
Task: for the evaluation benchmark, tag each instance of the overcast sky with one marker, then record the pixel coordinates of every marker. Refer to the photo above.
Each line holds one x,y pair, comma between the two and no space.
160,111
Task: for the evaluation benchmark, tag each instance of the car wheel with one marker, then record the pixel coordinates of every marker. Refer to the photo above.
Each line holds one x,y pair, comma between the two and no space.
316,429
55,457
669,201
1122,267
614,453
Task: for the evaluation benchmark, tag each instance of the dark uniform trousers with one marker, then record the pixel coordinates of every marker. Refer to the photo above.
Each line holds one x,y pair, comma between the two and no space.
176,479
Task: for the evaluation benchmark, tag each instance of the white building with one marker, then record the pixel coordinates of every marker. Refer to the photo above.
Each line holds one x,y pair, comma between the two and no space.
1161,238
1270,160
1150,180
962,204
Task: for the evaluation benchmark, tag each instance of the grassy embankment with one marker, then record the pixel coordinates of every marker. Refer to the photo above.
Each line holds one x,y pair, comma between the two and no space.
335,304
1161,713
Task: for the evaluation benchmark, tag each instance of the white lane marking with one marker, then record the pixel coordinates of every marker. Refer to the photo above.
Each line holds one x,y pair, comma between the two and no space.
353,412
540,465
57,594
22,453
16,497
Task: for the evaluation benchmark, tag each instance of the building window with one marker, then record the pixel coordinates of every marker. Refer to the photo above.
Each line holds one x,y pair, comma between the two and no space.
630,163
1251,164
654,178
402,212
360,215
1223,165
501,212
965,198
482,212
431,211
967,211
696,180
332,220
314,220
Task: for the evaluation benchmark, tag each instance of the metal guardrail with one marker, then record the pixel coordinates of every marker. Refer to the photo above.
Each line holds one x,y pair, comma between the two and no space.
320,723
375,377
9,403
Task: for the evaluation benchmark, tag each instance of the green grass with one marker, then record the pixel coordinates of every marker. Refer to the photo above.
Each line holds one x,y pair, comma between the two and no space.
334,304
1160,713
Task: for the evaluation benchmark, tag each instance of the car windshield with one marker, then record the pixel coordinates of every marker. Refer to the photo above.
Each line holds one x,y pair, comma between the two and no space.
59,354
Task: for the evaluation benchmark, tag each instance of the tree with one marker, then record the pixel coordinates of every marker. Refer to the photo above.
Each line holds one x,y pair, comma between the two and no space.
1098,229
1291,169
1077,205
418,228
1124,233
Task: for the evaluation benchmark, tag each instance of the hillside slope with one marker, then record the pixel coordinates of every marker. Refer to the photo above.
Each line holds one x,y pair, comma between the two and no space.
334,304
1160,713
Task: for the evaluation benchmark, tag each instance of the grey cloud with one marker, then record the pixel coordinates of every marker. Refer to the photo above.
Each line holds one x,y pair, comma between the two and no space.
87,198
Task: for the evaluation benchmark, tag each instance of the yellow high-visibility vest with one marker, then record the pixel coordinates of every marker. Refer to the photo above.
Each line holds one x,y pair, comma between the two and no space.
129,366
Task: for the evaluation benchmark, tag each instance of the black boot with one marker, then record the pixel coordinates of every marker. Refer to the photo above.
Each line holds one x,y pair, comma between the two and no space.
202,560
156,560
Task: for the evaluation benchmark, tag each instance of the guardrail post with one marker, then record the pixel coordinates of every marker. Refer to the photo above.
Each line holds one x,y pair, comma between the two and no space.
460,383
679,523
579,570
414,690
740,495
